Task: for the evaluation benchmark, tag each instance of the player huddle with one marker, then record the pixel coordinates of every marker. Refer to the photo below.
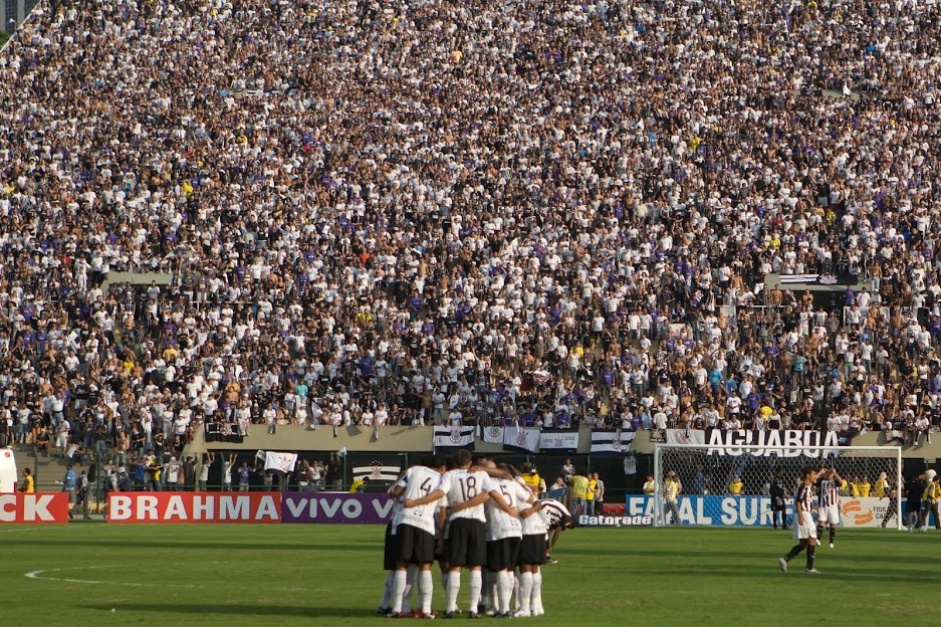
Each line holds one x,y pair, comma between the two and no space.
481,518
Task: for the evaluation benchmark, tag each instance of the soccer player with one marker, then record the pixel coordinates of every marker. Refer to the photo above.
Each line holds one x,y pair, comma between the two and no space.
466,490
390,553
560,519
415,534
778,494
804,530
828,494
505,533
532,555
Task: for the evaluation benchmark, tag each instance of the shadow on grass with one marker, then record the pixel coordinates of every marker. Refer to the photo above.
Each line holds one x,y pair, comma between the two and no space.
371,547
242,609
836,573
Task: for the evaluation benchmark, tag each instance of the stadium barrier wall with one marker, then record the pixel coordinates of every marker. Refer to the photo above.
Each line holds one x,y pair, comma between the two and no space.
38,508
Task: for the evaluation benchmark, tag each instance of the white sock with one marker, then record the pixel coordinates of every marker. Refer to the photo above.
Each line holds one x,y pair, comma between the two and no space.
516,588
486,592
411,573
504,591
526,590
387,589
537,590
425,590
398,590
453,587
476,583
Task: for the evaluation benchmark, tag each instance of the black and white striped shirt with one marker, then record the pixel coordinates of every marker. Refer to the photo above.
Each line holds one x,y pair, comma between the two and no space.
555,512
828,493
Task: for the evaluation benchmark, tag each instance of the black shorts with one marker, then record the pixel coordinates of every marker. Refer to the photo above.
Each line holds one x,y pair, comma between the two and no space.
467,543
533,550
414,546
777,504
390,551
502,554
441,554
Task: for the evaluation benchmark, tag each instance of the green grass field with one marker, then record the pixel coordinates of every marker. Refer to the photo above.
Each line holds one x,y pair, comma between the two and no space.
96,574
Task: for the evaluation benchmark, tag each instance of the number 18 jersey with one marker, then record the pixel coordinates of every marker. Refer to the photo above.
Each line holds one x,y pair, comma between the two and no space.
462,485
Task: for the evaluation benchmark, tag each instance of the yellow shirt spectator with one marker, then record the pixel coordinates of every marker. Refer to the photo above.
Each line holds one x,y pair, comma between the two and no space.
671,490
357,486
932,493
736,487
590,495
580,487
864,488
532,481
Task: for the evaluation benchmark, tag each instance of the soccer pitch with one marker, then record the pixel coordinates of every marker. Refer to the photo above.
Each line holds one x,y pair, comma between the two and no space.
207,575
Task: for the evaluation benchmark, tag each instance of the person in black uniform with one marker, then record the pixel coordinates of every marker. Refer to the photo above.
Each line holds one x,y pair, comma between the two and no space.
778,494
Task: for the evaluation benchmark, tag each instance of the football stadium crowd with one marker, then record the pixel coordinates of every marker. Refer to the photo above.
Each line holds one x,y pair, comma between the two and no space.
404,212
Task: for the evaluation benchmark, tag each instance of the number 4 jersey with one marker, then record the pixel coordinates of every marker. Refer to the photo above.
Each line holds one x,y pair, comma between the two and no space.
420,481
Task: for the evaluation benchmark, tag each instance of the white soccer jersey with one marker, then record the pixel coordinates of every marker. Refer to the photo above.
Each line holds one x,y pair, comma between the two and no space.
500,525
536,525
398,506
462,485
420,481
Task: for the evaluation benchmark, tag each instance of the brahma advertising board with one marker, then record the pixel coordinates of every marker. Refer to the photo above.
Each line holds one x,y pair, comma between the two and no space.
198,507
263,507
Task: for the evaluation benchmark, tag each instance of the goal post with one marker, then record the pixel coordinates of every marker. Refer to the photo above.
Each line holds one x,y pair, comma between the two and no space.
707,472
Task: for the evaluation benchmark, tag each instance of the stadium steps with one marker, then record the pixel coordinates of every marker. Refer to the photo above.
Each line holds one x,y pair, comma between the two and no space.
46,470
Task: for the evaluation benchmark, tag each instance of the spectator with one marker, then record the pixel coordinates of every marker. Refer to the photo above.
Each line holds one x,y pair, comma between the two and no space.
464,226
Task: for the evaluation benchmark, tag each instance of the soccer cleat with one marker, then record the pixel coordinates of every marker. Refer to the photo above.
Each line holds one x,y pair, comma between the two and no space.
812,571
503,615
491,612
429,616
783,564
831,545
399,615
449,615
474,615
522,614
552,561
538,611
383,610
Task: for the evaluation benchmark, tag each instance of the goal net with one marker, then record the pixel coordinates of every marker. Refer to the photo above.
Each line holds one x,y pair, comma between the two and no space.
730,485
